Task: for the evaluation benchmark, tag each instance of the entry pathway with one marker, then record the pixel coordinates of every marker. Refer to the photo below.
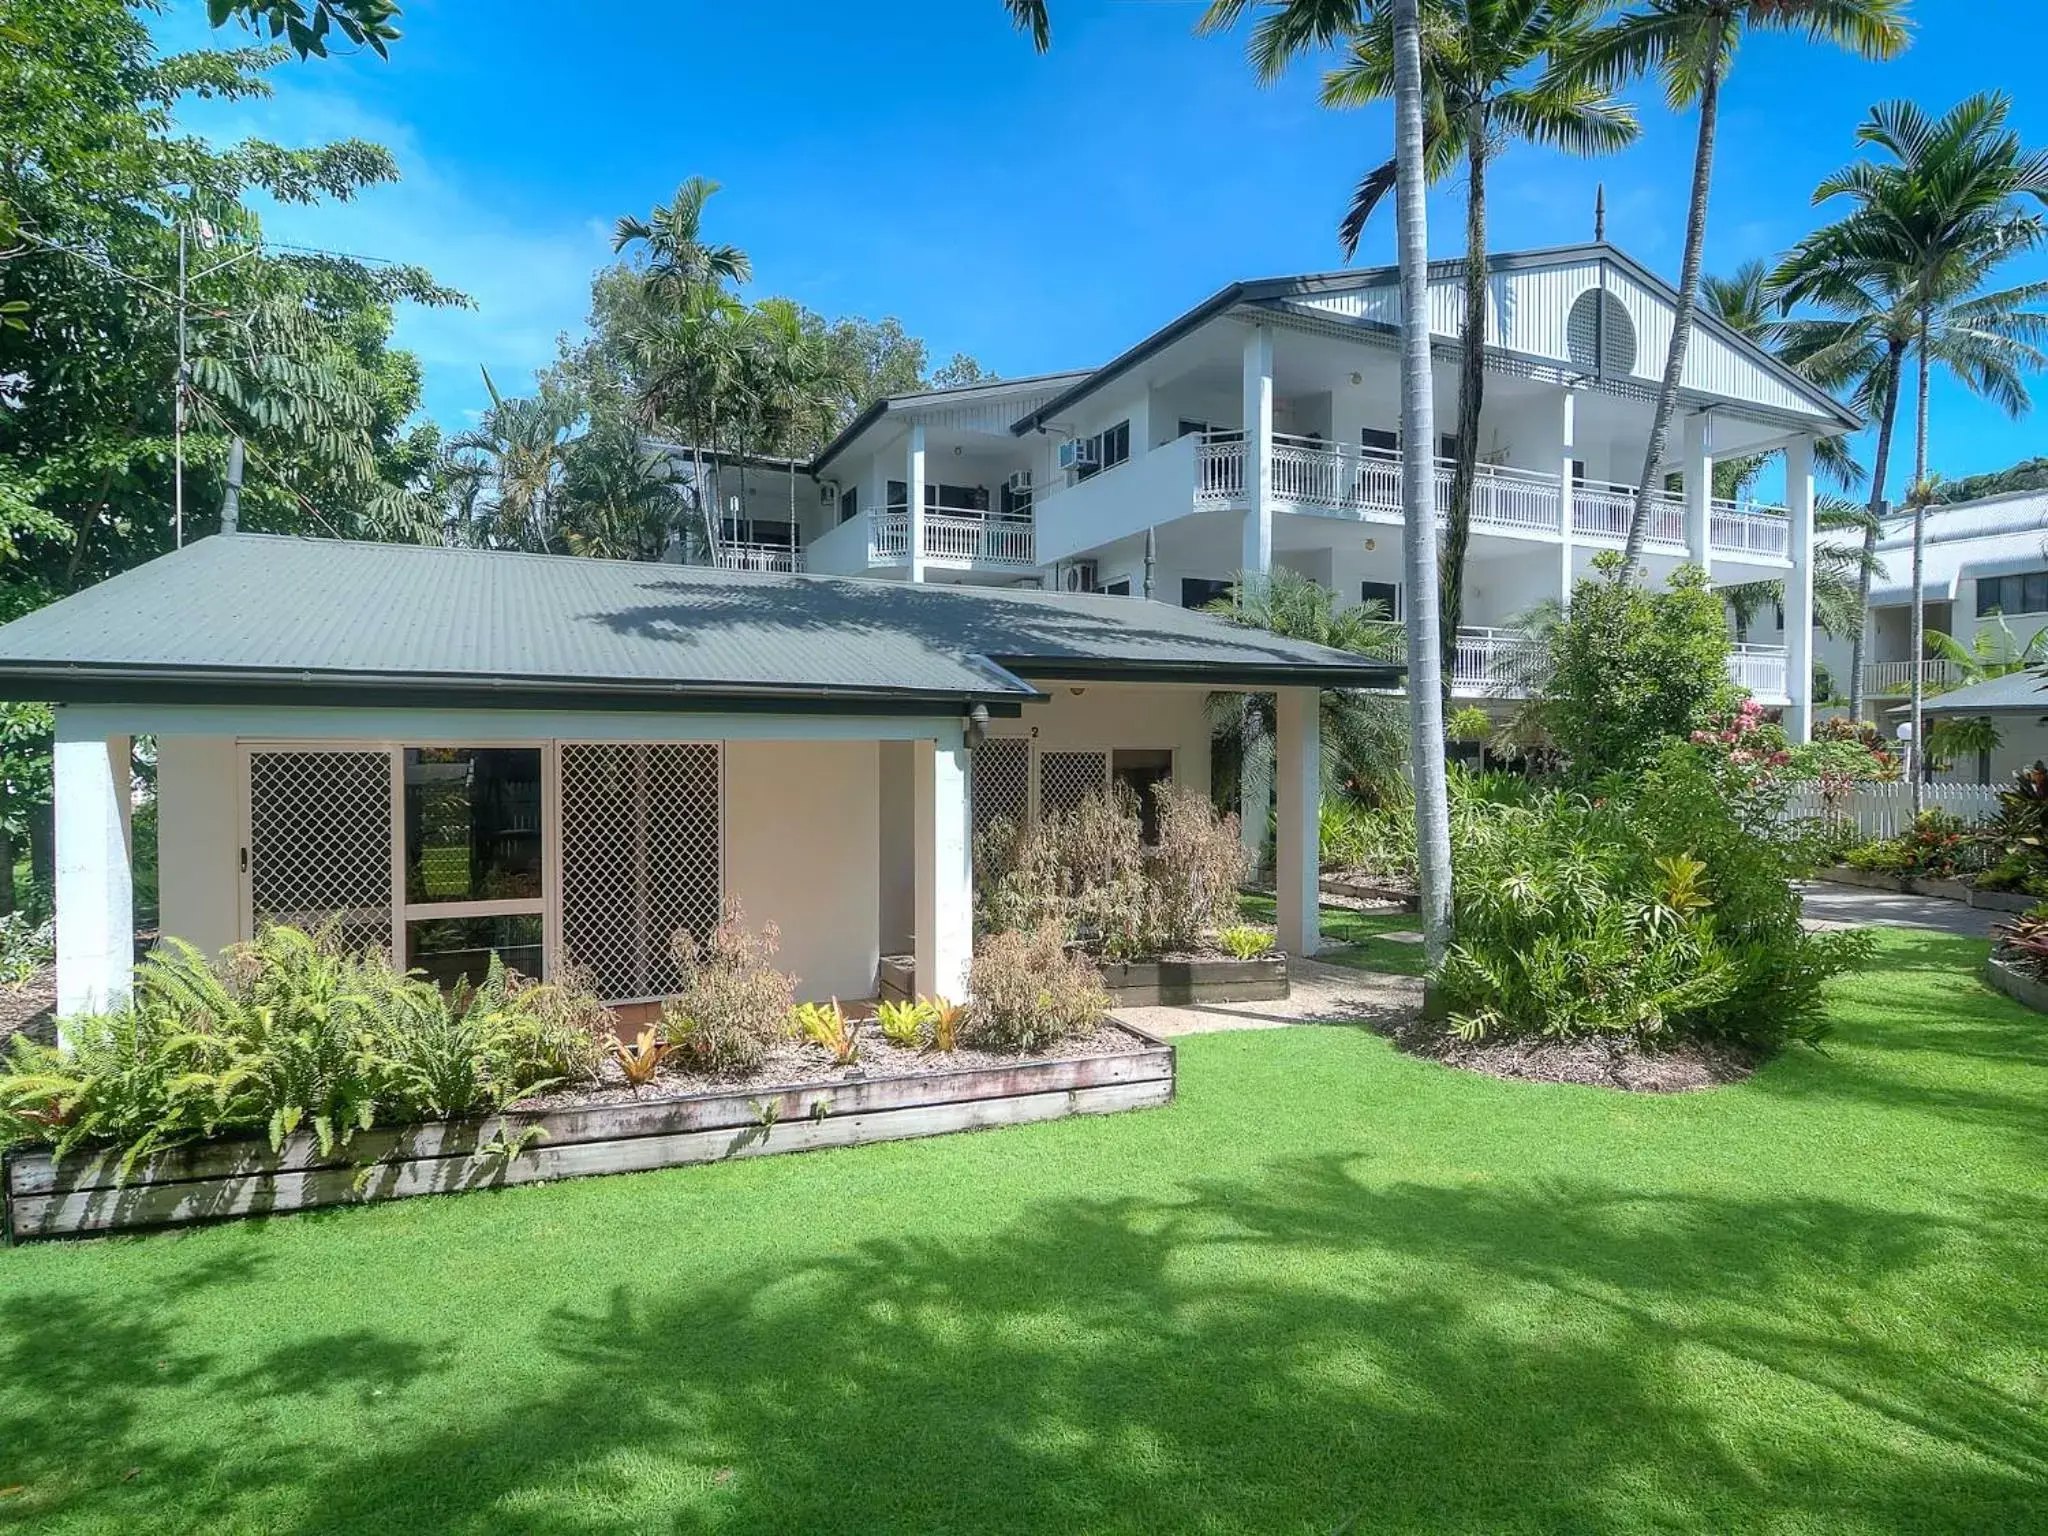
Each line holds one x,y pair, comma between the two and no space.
1851,906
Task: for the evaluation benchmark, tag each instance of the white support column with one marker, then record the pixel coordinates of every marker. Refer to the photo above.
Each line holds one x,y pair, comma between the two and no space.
944,940
1297,842
1699,489
95,879
1568,443
1258,451
1254,789
913,476
1799,591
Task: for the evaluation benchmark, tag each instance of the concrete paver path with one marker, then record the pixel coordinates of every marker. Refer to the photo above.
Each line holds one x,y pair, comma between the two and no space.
1321,994
1850,906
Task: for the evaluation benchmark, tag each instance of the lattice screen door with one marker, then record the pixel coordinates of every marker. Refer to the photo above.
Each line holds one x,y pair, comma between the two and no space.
1002,782
1065,779
642,858
319,841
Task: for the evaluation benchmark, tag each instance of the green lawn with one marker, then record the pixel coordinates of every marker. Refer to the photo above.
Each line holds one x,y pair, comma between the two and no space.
1333,1289
1355,939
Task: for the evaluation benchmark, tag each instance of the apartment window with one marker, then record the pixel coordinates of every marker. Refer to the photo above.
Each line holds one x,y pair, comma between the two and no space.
1015,502
1121,587
1200,592
1200,428
899,496
1379,440
2026,593
1112,446
1386,594
849,504
955,498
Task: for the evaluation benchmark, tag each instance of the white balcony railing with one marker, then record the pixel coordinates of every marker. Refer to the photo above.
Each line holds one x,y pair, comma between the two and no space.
1603,510
1743,528
1897,676
1762,669
759,557
953,538
1494,663
1322,477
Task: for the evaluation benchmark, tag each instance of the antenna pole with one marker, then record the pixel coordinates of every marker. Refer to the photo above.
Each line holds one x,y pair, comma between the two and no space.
1600,214
178,407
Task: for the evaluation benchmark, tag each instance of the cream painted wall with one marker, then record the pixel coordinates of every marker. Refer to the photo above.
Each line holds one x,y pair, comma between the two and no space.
802,844
199,839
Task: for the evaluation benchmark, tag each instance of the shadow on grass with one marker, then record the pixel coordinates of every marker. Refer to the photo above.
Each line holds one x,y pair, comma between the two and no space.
1305,1350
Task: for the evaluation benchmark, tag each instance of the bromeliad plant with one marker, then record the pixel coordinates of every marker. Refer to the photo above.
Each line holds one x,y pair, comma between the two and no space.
906,1025
826,1025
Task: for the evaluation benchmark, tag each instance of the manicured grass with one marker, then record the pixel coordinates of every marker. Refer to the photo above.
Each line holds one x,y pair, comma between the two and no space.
1355,939
1332,1289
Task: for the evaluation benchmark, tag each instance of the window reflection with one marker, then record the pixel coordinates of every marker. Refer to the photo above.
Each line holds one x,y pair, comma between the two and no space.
472,824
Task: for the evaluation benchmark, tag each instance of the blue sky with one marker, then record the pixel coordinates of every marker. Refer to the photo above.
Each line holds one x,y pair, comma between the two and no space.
917,158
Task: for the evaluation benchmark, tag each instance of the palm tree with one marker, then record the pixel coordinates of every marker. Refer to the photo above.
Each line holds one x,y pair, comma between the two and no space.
619,499
1362,738
678,256
1691,44
1491,78
1935,223
1031,16
685,345
508,470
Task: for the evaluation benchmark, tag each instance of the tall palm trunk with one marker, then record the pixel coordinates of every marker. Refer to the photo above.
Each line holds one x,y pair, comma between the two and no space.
1471,396
1418,499
1887,423
1681,319
1918,755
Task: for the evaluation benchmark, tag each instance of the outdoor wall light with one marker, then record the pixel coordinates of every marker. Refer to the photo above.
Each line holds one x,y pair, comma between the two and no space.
977,726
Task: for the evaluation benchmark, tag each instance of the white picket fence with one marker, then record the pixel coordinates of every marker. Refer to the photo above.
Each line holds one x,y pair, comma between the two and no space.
1886,810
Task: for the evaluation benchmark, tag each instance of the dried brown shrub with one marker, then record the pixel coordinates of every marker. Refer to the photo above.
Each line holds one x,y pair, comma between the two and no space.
732,1006
1031,992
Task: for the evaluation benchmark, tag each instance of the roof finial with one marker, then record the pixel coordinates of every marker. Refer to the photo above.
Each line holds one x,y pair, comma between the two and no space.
1600,214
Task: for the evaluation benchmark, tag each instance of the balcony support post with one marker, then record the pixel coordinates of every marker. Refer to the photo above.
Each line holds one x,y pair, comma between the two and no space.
1799,591
913,475
1298,765
1568,442
1258,451
1699,490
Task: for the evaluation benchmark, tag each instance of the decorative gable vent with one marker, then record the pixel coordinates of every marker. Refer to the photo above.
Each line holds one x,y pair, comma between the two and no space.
1600,336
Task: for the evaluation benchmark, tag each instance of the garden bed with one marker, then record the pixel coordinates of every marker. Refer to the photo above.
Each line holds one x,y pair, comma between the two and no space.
2004,976
1173,980
604,1129
1592,1063
1365,885
1921,885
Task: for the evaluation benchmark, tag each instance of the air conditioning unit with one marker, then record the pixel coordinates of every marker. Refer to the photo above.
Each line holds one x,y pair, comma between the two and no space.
1078,577
1077,453
1020,482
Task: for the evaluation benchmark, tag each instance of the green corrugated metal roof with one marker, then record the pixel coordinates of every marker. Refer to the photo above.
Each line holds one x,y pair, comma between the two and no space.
2020,692
250,611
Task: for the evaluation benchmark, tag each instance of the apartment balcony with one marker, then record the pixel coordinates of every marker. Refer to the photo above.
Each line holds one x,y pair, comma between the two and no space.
958,540
1505,663
1328,480
1897,676
775,559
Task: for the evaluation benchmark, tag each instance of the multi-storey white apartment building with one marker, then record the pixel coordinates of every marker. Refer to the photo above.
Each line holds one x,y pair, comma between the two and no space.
1260,429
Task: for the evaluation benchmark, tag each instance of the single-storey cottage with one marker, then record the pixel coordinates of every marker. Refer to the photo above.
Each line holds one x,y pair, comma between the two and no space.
464,752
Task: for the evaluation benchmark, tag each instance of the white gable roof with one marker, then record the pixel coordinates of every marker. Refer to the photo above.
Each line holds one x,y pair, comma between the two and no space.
1998,536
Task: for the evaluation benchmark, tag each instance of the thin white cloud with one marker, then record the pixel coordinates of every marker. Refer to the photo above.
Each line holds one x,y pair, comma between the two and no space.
529,276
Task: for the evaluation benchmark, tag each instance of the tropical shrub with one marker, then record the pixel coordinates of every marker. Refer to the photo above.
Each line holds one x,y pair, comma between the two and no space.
293,1030
1628,667
826,1025
1246,942
1938,847
26,947
2023,942
1193,870
731,1006
1031,992
1650,910
945,1019
905,1024
1088,872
